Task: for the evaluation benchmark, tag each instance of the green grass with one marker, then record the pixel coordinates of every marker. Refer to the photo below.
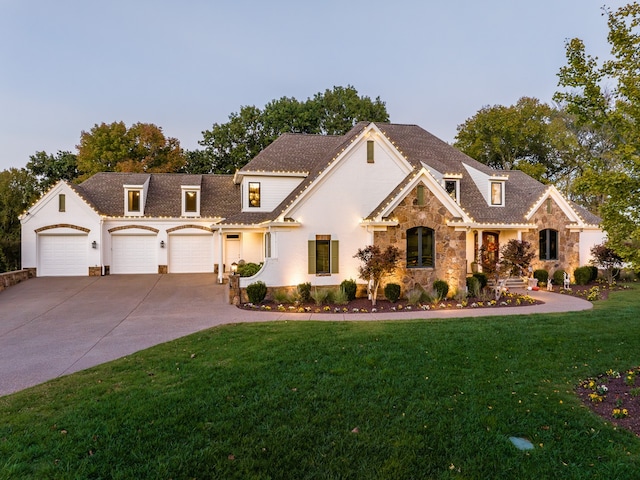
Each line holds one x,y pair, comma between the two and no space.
429,399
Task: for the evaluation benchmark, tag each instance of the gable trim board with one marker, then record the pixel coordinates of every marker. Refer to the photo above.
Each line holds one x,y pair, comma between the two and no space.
309,185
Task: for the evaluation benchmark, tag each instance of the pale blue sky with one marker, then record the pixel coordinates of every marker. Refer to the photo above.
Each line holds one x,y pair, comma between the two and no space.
66,65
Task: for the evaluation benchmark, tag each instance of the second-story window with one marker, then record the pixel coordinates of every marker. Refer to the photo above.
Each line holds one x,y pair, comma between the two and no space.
190,201
254,194
133,200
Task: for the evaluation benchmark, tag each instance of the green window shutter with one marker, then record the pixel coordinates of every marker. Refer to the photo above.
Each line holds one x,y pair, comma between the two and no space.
370,147
312,256
420,194
335,255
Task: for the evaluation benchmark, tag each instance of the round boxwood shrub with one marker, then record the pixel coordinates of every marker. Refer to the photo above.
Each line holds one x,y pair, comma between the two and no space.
541,275
483,279
594,272
582,275
248,269
558,277
392,292
473,286
256,291
441,287
349,287
304,292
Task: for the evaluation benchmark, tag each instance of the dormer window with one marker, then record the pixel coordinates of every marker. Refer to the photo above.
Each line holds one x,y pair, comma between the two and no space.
191,201
452,186
254,194
496,193
133,202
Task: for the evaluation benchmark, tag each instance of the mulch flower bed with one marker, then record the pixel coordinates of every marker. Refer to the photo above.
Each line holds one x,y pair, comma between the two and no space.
615,397
363,305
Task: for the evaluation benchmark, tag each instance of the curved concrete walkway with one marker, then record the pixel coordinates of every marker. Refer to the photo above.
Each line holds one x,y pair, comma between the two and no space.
51,327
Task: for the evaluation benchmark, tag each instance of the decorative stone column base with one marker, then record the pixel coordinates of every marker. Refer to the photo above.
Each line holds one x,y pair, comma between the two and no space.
234,289
163,269
95,271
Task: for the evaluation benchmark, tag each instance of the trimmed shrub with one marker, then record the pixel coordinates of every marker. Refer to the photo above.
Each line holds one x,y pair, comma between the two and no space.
594,273
441,287
558,277
248,269
483,279
349,287
582,275
256,292
541,275
392,292
304,292
473,286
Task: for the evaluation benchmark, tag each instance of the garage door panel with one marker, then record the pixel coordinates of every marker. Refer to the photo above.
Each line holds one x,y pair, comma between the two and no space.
62,255
190,253
133,254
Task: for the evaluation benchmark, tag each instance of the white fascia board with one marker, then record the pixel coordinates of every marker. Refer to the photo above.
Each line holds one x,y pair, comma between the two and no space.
491,226
60,187
435,187
552,192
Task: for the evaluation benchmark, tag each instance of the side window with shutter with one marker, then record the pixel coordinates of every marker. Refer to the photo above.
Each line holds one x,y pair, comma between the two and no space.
323,255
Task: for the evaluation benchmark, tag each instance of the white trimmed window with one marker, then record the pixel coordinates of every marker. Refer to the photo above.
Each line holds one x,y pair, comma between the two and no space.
496,193
190,201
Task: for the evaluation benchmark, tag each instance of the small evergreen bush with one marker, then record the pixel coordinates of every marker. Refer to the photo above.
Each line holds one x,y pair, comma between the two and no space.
483,279
441,287
248,269
350,287
582,275
594,273
542,275
304,292
392,292
256,292
473,286
558,277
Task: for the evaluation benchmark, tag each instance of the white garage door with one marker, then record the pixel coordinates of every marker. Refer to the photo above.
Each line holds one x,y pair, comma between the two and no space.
190,253
134,254
62,255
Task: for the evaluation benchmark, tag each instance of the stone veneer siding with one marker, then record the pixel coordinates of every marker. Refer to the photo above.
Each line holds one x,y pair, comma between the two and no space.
450,246
568,242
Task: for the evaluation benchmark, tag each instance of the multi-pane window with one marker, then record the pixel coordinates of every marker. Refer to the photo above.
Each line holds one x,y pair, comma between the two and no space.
548,244
420,247
254,194
323,255
133,200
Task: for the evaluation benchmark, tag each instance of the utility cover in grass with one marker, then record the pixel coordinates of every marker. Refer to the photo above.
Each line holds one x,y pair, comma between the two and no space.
521,443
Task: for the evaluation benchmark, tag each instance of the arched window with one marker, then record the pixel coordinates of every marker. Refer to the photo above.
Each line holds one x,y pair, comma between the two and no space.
420,247
548,244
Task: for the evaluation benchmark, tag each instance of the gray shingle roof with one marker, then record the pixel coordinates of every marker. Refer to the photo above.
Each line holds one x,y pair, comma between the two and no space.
312,154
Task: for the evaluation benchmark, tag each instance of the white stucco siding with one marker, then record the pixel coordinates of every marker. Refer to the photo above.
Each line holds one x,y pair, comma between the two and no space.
46,218
273,189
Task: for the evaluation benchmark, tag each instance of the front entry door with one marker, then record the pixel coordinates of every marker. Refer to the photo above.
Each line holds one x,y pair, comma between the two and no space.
489,254
232,250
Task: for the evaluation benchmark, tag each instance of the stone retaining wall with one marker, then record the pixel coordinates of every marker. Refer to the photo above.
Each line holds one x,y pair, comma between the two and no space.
11,278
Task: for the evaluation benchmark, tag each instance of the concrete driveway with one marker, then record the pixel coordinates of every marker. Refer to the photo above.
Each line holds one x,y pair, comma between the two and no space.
58,325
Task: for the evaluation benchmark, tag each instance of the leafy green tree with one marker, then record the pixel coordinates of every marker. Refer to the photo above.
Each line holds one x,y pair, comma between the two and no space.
230,145
530,136
48,168
377,264
116,148
605,102
18,190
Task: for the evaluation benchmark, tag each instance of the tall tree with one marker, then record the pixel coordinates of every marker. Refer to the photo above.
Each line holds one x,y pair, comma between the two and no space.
605,101
116,148
18,190
49,168
231,145
530,136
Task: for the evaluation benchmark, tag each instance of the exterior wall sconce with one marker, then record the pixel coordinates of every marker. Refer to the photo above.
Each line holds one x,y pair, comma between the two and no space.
234,268
161,243
94,244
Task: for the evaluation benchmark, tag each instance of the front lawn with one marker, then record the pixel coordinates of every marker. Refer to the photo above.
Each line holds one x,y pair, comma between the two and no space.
398,399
